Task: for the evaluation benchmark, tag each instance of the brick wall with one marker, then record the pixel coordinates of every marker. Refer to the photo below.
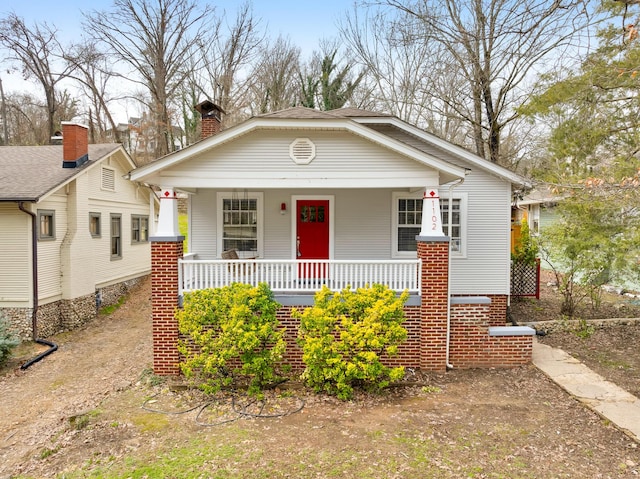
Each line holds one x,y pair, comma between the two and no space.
471,345
164,300
408,353
425,347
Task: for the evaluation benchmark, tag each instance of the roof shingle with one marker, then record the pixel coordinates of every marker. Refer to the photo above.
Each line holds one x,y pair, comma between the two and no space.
29,172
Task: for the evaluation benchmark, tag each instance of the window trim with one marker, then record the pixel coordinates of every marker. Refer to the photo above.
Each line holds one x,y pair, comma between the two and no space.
98,216
137,218
113,216
52,214
224,195
397,195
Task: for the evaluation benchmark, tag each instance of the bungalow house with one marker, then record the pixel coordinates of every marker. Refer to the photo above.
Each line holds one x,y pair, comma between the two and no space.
75,231
302,198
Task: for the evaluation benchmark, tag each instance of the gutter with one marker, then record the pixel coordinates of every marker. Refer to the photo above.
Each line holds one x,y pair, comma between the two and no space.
458,182
34,279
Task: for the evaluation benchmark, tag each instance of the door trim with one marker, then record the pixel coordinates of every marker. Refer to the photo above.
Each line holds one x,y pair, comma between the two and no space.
294,213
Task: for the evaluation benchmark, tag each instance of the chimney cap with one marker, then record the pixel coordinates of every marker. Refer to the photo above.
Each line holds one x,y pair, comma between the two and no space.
208,108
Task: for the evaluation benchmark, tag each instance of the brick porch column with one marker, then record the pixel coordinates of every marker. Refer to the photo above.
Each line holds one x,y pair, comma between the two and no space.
165,253
434,253
433,250
166,250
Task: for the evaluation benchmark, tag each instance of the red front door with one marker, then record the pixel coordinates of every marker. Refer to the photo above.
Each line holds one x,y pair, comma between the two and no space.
312,234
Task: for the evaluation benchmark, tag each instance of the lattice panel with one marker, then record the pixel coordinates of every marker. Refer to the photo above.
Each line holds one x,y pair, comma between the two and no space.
525,279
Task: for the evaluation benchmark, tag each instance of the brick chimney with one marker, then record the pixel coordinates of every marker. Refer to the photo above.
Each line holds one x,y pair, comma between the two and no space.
75,144
211,118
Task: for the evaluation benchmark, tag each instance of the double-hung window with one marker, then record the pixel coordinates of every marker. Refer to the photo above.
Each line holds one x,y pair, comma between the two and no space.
407,223
139,229
453,230
240,223
116,236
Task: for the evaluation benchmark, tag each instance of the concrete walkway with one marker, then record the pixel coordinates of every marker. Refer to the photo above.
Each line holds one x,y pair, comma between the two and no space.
604,397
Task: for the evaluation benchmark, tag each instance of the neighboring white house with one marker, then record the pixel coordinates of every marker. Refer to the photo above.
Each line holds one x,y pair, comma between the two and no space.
334,198
75,231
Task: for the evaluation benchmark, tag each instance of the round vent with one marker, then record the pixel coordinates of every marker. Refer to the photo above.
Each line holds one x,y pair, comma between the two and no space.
302,151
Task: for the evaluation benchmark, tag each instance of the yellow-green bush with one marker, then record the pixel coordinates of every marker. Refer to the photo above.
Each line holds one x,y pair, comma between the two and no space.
344,335
235,333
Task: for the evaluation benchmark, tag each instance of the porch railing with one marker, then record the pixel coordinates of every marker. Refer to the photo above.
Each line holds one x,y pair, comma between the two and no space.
299,276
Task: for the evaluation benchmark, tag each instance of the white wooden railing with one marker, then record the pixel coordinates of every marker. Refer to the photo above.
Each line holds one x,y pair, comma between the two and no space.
299,276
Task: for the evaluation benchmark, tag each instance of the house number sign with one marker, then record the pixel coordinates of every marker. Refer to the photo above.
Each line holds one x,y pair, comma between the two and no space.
431,219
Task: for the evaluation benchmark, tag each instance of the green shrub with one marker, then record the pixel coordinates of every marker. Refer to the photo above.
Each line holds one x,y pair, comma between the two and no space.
8,341
235,333
344,335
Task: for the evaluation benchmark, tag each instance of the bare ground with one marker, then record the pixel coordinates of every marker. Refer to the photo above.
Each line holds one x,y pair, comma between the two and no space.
80,410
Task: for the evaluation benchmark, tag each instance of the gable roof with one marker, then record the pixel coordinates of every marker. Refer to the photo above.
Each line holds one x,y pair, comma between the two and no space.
28,173
437,152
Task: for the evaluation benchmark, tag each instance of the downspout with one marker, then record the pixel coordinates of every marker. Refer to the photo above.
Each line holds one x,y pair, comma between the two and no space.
449,218
34,279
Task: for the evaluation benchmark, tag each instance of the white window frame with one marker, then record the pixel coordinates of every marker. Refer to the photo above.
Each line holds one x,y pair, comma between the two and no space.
397,195
224,195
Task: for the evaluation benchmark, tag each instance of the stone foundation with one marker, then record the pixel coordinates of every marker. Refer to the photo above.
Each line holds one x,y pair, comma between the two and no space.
65,314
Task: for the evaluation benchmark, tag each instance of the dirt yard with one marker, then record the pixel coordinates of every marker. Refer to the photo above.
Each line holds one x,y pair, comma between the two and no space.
79,413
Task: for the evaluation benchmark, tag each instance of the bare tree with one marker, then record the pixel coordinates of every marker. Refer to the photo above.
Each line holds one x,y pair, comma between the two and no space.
93,71
274,84
36,50
228,60
155,38
397,68
495,46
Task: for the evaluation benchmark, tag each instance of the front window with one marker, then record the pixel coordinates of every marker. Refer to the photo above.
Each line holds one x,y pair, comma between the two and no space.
240,223
408,223
139,229
453,231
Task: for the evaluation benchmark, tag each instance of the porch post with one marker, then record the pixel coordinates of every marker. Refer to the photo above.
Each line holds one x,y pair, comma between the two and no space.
433,250
166,250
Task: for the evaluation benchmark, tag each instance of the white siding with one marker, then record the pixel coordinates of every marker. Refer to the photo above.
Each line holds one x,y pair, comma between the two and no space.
49,260
485,269
15,258
262,158
362,221
127,199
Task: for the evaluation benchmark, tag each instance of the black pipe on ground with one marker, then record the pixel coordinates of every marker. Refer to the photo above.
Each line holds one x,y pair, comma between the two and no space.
52,347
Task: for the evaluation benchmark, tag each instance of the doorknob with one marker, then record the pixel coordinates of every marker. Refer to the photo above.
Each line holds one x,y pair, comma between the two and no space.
298,254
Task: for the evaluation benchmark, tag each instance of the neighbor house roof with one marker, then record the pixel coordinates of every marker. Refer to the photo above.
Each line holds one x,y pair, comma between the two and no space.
27,173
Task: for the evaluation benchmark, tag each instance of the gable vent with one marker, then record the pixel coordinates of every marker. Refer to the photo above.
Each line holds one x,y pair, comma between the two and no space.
302,151
108,179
